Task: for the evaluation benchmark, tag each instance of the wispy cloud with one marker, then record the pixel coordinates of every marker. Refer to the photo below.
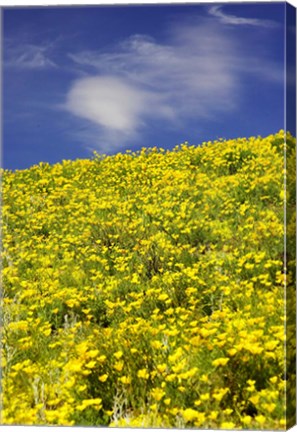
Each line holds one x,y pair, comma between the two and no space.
27,56
197,74
224,18
142,81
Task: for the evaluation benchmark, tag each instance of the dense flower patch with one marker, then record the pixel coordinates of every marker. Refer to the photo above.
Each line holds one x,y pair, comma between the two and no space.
147,289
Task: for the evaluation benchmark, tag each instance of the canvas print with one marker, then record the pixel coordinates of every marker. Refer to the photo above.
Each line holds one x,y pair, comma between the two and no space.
148,216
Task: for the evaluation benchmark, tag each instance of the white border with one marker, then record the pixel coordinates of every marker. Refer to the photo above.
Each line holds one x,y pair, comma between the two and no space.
105,429
25,3
52,3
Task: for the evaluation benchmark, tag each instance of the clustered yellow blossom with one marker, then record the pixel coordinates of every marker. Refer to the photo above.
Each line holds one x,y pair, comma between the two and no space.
147,289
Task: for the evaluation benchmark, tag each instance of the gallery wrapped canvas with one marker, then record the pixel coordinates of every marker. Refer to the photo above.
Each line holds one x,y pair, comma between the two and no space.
149,216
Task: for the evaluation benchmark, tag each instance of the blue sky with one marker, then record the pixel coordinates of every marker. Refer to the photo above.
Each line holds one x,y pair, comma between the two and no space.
111,78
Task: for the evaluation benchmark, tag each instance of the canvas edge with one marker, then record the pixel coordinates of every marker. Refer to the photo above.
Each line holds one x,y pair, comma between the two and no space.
290,214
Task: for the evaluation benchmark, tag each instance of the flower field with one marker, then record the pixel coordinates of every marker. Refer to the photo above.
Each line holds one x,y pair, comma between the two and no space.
147,289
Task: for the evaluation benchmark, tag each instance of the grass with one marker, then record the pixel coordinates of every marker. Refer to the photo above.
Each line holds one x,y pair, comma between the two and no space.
147,289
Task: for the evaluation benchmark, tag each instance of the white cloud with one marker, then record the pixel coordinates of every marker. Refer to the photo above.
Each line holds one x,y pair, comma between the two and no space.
117,109
224,18
111,102
197,74
143,81
28,56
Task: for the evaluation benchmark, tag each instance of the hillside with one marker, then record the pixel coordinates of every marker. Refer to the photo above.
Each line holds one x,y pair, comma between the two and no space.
147,289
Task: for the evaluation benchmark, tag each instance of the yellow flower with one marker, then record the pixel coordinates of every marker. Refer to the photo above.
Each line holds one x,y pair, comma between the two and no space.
200,419
271,345
156,344
118,354
260,419
154,407
220,361
213,415
103,377
189,414
169,311
134,219
174,411
228,411
157,394
89,402
205,397
273,379
163,297
228,425
161,367
93,353
282,422
176,356
143,373
170,377
246,419
71,303
82,387
19,325
270,407
82,348
220,393
253,348
91,364
204,378
125,380
74,365
254,399
119,366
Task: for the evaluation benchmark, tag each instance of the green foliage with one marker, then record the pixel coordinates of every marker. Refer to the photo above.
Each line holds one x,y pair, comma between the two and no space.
147,289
